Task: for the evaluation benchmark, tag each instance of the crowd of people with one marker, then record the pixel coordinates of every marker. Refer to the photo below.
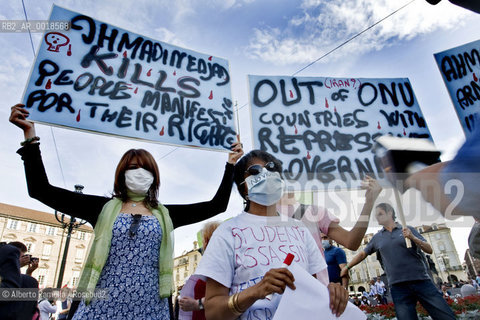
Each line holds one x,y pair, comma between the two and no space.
377,295
240,274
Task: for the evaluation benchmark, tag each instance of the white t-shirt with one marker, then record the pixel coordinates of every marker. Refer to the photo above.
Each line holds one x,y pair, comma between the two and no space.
380,286
244,248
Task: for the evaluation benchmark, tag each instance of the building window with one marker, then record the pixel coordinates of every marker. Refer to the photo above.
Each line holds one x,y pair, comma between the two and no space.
42,276
185,275
178,278
79,255
32,227
12,224
420,230
75,278
441,246
195,258
434,227
50,231
357,276
47,249
81,235
30,247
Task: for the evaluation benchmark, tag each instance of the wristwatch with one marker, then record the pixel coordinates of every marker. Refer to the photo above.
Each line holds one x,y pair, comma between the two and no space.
200,304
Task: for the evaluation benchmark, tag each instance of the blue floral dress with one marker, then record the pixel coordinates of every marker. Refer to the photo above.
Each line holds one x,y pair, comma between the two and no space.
130,275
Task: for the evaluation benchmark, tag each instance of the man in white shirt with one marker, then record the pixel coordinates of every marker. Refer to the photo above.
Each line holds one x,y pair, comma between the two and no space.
380,287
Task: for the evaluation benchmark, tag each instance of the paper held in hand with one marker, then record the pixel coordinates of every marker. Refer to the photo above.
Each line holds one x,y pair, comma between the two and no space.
310,297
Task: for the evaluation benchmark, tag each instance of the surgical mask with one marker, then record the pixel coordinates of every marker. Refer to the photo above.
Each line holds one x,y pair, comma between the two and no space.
326,244
138,180
265,188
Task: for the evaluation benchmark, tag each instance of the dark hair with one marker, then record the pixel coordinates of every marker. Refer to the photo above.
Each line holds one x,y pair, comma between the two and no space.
245,162
146,161
19,245
387,208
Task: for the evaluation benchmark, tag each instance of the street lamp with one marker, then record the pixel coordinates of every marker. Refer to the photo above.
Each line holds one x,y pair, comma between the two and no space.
70,225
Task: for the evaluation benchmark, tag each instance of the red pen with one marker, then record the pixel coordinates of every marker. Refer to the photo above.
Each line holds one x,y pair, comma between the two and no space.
288,261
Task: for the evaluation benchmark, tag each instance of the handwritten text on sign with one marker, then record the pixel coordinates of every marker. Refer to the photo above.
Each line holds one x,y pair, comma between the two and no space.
460,68
323,129
105,79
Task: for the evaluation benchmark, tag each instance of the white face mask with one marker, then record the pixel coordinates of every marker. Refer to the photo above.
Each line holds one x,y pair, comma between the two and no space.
265,188
326,244
138,180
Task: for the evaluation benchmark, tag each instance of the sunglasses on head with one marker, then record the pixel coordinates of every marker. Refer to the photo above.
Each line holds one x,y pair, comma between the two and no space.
257,168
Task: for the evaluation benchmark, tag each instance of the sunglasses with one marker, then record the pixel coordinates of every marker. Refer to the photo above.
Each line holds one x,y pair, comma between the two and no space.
257,168
135,224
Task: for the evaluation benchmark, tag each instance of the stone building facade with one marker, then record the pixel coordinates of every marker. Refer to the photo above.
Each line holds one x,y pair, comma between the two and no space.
185,265
45,239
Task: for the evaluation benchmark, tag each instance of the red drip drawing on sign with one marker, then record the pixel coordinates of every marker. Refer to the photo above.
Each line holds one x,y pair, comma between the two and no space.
136,90
162,132
404,133
326,103
149,73
211,95
49,84
69,52
335,109
210,58
308,155
125,53
475,77
296,131
291,94
379,127
78,115
174,72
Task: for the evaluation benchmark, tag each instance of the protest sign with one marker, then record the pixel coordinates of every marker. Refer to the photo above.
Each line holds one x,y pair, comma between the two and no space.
323,129
460,69
94,76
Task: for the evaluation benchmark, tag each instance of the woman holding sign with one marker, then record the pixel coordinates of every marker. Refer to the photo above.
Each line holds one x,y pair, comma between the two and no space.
131,255
244,256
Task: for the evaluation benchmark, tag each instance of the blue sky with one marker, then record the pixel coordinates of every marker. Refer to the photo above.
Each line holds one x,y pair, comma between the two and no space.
257,37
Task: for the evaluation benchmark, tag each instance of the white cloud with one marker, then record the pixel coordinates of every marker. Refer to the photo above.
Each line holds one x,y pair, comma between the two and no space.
165,35
185,8
227,4
325,24
16,63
